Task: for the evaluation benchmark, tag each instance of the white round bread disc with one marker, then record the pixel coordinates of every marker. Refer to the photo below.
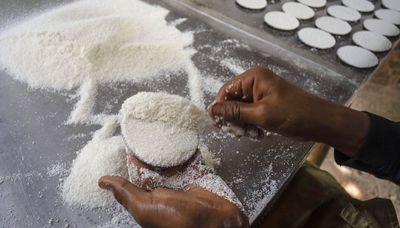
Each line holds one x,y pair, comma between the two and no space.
391,4
298,10
161,129
281,21
333,25
357,57
316,38
252,4
382,27
360,5
343,12
388,15
159,145
372,41
314,3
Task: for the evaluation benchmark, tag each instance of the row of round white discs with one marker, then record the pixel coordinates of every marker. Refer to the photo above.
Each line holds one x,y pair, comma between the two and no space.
337,25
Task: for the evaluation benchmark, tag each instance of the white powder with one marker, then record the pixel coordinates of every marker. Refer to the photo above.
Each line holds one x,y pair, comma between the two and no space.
98,41
58,169
98,158
173,110
233,65
161,129
158,144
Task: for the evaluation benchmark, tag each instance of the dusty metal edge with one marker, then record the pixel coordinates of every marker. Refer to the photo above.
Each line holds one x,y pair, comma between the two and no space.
239,30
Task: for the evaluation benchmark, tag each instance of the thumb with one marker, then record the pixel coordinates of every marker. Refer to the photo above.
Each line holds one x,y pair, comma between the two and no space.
126,193
234,111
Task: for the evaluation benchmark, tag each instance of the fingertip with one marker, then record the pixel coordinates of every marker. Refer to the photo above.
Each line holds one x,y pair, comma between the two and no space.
104,182
210,107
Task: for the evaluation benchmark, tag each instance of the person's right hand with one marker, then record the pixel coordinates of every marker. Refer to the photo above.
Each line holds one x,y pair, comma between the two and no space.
259,97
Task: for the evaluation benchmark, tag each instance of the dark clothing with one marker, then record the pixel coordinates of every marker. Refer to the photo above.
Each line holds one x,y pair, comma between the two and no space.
380,154
314,199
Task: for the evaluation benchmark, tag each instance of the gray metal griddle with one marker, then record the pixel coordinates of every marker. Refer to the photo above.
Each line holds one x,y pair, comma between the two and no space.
33,136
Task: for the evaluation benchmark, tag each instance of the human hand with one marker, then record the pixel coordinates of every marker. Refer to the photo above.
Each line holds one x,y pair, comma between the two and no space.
259,97
192,206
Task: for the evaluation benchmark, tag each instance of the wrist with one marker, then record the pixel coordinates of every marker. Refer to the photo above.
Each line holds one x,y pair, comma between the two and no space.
348,130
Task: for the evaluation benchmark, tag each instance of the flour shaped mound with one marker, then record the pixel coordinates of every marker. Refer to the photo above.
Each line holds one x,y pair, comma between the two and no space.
382,27
357,57
333,25
298,10
388,15
281,21
98,158
372,41
252,4
316,38
343,12
161,129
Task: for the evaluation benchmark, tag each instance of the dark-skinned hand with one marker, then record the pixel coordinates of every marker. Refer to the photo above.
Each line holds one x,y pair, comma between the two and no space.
260,98
192,206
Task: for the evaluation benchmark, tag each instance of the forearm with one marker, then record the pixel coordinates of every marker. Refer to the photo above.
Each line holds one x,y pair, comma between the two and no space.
314,119
344,129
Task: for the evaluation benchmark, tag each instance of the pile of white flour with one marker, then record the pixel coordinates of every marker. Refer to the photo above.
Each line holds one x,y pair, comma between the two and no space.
161,129
98,158
86,43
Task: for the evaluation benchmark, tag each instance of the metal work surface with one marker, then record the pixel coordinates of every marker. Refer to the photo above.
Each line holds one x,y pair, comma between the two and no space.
33,136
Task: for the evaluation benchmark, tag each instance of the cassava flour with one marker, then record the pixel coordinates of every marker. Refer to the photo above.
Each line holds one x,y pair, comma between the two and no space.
98,158
87,43
161,129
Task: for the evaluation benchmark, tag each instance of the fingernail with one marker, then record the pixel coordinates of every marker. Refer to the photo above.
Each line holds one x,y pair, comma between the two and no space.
212,104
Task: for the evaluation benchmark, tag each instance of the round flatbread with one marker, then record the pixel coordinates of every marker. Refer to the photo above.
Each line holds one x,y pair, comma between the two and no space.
360,5
388,15
313,3
391,4
357,57
333,25
343,12
372,41
298,10
252,4
382,27
161,129
316,38
281,21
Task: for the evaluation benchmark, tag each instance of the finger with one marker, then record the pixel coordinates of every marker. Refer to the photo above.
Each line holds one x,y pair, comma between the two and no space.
126,193
238,89
233,111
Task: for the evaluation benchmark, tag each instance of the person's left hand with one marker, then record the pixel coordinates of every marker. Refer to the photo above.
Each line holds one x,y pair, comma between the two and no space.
195,207
192,206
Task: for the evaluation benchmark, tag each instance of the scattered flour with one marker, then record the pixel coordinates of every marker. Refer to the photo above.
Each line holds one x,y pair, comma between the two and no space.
96,159
161,129
212,85
87,43
58,169
233,65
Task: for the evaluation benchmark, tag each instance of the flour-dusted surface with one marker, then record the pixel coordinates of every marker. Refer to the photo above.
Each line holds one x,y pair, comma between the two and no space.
88,43
162,129
34,137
